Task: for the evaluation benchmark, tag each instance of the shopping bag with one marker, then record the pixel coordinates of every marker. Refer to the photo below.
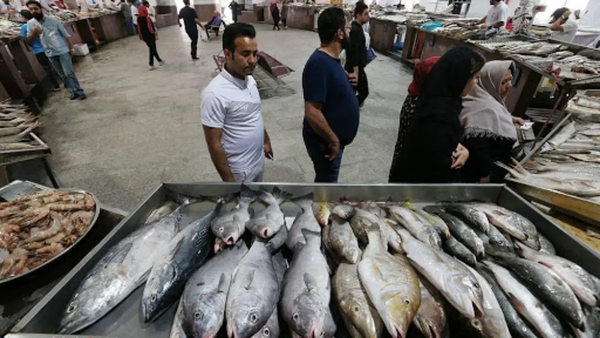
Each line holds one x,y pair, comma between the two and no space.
370,55
203,36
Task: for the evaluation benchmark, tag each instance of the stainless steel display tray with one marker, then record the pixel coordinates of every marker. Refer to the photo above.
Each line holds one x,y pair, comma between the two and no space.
125,320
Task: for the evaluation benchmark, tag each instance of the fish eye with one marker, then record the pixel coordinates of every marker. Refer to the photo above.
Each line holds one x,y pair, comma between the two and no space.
253,317
153,298
295,316
221,229
266,332
197,315
407,301
356,309
71,308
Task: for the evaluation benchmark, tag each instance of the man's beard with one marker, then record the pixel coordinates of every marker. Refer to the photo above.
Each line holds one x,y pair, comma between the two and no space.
38,16
346,42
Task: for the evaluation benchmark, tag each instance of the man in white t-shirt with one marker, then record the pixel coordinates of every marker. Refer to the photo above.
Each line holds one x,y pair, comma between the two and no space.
563,25
496,16
231,111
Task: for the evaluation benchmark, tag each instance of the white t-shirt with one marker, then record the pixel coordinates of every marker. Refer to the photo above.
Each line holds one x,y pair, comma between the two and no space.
569,31
497,13
134,14
234,105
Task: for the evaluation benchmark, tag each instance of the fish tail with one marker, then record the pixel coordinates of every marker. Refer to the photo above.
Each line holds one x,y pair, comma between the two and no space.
280,195
247,195
304,202
309,234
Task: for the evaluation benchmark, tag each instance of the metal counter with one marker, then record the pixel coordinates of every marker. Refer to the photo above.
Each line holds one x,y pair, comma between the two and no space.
125,320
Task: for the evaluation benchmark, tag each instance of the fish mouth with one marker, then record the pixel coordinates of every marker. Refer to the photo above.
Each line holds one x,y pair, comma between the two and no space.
230,240
478,310
265,233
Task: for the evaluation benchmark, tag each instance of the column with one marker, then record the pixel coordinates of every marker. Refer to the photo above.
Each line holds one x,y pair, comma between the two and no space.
166,12
206,8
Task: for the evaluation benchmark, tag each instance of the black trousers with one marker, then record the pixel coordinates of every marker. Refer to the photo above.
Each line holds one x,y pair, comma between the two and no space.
194,45
153,53
362,88
45,62
284,22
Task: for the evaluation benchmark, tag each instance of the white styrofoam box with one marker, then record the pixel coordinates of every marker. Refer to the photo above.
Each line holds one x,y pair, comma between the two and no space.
81,49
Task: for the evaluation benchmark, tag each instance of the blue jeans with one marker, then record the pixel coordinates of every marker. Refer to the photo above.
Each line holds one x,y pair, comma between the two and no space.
130,26
326,171
64,67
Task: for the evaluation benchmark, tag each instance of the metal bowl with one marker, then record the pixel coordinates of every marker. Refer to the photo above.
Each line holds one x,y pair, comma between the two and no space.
87,230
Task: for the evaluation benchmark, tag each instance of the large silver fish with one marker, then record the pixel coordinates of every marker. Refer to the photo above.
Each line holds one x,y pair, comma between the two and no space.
469,214
503,219
271,328
122,269
306,289
354,303
161,212
230,226
592,323
536,313
461,231
455,248
430,319
580,281
341,241
418,226
185,254
391,284
206,291
268,222
253,293
364,219
450,277
435,220
304,220
546,246
176,327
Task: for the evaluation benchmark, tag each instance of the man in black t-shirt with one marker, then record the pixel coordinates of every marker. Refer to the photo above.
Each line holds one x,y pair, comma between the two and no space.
356,55
190,20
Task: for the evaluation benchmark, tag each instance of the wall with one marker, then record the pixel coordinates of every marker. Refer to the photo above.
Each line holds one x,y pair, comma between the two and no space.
480,8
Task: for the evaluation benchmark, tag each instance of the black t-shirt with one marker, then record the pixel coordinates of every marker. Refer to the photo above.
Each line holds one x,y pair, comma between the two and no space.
188,14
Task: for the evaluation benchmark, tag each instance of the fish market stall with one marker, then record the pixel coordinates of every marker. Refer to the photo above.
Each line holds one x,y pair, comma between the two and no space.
109,27
94,301
19,295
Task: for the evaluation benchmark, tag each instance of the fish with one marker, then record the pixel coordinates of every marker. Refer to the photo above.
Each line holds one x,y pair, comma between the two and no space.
470,215
277,241
452,279
343,211
458,250
503,219
580,281
364,219
533,240
185,254
304,220
230,226
493,325
530,307
546,246
123,268
266,223
176,328
494,249
515,323
205,293
253,292
323,214
271,328
416,225
592,323
161,212
354,303
431,317
341,241
496,237
463,233
435,220
391,284
306,289
549,286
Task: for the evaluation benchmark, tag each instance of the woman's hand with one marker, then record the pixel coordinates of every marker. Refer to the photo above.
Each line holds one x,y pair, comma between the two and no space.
518,120
459,156
486,179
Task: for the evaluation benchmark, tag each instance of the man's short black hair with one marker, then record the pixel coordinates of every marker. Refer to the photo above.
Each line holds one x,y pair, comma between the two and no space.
236,30
559,12
145,3
330,21
186,2
360,8
26,14
33,2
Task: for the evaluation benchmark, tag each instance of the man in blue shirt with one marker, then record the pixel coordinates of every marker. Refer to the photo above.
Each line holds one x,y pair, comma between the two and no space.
331,112
38,50
57,46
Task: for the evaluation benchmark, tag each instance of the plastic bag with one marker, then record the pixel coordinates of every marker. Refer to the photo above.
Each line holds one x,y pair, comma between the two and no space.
203,36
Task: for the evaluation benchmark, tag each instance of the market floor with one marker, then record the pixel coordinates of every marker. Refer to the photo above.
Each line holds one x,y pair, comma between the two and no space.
139,128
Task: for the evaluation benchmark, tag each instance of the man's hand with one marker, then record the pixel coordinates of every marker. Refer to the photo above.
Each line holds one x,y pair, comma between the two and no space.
459,156
268,150
334,149
72,52
36,30
486,179
518,121
353,78
179,22
566,15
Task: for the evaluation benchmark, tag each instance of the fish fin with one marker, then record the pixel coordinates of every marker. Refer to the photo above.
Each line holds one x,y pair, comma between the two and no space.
305,201
176,247
119,256
247,194
310,282
250,212
520,307
247,281
223,286
143,278
280,195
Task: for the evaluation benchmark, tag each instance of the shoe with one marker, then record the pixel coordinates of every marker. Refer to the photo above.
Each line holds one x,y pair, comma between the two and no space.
162,63
82,97
74,96
151,68
195,58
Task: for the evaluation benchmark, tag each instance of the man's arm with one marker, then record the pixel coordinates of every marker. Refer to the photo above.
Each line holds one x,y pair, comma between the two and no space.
558,25
314,116
353,58
217,152
482,20
267,146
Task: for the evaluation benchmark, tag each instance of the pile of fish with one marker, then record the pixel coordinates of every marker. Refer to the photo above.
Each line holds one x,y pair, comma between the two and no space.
65,15
37,227
16,125
356,269
9,29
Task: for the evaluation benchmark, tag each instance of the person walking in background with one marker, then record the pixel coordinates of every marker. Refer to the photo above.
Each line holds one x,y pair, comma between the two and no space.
431,152
147,33
134,15
331,112
235,10
38,50
125,8
356,55
422,69
231,111
275,14
190,20
57,46
151,14
490,133
284,11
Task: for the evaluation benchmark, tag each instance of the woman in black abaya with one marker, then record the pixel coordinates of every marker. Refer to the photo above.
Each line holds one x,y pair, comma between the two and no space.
431,152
